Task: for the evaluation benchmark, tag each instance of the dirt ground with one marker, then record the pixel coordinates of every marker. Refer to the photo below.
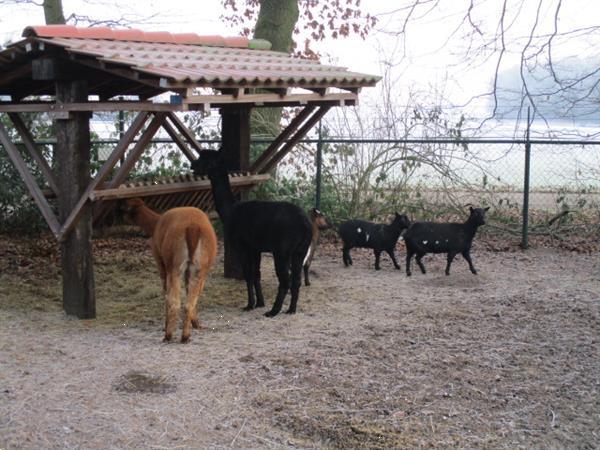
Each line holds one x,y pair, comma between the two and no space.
509,358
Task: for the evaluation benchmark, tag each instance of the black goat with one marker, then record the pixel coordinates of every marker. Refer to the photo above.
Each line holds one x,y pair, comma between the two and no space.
450,238
254,227
378,236
319,223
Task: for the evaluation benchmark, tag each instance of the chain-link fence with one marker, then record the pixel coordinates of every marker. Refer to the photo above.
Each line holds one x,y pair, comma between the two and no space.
562,179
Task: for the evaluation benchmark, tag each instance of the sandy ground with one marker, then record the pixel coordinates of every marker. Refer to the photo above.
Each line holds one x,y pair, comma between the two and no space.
509,358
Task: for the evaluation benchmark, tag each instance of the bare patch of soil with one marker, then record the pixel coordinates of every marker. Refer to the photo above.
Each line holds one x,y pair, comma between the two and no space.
509,358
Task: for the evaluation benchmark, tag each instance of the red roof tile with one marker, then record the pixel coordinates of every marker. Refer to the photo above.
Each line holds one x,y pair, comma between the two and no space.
187,59
134,35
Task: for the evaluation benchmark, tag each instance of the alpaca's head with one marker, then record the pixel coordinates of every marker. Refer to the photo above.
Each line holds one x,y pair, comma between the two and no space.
209,162
128,209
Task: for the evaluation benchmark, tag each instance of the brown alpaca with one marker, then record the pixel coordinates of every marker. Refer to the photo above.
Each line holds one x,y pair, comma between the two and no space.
319,223
184,244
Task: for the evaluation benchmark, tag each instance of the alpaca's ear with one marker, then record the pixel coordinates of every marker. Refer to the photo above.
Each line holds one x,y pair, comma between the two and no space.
471,209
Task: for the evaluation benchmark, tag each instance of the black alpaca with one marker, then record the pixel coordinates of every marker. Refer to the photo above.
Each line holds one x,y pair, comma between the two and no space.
378,236
254,227
450,238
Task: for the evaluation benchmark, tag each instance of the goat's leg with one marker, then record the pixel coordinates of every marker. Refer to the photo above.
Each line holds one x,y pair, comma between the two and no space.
377,257
296,282
173,303
390,251
282,269
346,255
307,262
260,300
409,255
467,255
420,263
449,258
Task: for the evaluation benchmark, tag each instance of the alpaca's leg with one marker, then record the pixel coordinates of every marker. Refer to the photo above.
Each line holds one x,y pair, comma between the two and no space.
307,262
282,269
196,287
296,282
246,259
172,302
260,300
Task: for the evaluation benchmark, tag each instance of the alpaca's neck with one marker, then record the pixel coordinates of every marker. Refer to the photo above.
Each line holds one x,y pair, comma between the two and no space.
222,195
146,219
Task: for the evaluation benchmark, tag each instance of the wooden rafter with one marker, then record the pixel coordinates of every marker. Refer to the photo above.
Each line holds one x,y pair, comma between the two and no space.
185,131
280,139
104,172
181,143
34,152
287,146
32,186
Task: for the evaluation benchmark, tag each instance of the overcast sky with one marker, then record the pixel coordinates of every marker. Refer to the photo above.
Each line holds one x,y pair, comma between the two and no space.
431,59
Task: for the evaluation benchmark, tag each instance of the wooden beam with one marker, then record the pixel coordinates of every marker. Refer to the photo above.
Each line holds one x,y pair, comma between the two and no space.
34,152
34,190
116,105
135,153
104,172
182,144
185,131
279,140
272,162
122,192
271,98
73,175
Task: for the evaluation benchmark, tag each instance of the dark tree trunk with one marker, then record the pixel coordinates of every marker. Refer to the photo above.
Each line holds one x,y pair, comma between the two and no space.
275,23
53,12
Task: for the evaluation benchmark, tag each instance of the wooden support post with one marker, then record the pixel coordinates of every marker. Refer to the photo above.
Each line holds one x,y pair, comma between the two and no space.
235,141
73,176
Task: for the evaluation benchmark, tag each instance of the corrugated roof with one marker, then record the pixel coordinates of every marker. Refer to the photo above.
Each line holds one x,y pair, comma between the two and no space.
181,60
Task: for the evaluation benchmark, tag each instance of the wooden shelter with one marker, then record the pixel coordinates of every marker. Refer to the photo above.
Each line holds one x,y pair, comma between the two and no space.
72,72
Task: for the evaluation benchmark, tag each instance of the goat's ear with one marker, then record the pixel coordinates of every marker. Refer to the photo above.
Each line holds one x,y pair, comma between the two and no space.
486,209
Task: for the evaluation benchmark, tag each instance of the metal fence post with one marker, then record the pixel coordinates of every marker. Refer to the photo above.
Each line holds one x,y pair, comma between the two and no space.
319,164
525,231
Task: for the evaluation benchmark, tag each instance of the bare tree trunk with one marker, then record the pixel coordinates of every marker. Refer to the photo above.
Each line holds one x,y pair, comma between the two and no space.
53,12
275,23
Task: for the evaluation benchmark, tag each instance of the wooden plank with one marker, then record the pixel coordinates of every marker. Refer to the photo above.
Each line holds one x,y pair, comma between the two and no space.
34,190
271,98
109,106
104,172
162,189
179,141
272,162
279,140
35,154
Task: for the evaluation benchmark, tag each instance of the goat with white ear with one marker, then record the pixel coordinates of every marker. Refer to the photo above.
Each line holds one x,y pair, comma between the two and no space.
451,238
378,236
184,245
